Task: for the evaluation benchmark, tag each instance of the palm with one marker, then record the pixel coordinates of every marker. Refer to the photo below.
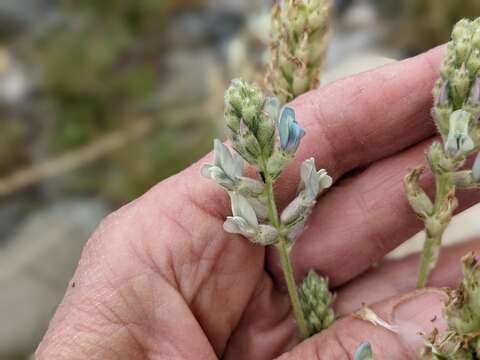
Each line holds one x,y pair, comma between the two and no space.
161,280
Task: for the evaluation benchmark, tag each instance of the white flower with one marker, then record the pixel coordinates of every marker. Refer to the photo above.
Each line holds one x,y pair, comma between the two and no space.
313,182
296,214
244,222
459,141
227,168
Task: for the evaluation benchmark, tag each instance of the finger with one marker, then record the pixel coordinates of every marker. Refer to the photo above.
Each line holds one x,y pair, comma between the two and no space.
420,311
350,123
362,219
395,277
367,117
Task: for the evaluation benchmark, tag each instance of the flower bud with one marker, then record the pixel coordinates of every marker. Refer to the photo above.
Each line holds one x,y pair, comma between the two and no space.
441,115
232,120
464,179
462,311
473,62
249,114
460,85
441,93
294,211
317,302
266,136
463,47
363,352
266,235
251,145
460,30
476,39
471,284
298,46
249,187
278,161
251,121
475,92
438,160
418,199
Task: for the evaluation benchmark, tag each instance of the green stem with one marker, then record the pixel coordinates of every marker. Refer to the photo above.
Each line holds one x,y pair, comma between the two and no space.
285,262
431,248
433,237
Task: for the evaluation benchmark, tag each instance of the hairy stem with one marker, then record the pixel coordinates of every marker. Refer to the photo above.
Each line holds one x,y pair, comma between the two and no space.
286,264
431,248
292,287
433,236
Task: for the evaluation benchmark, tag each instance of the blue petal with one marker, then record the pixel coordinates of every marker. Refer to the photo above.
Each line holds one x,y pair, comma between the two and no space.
296,134
286,118
364,352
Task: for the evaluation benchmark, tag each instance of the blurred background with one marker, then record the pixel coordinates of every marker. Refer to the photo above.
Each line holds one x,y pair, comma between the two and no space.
100,100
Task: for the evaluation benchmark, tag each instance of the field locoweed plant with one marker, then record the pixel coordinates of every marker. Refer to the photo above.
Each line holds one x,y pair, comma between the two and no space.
297,49
462,313
265,133
456,113
267,137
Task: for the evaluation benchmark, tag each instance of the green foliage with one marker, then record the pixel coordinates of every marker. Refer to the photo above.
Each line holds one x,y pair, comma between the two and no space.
99,67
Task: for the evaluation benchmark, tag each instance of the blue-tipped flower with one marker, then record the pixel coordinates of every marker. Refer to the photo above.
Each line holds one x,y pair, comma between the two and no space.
459,141
364,352
290,131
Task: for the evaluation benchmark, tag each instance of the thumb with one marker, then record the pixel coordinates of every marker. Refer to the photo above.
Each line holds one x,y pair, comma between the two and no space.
410,316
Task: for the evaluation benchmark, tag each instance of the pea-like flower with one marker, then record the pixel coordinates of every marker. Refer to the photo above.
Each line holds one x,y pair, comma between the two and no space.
459,141
290,131
313,181
227,168
245,222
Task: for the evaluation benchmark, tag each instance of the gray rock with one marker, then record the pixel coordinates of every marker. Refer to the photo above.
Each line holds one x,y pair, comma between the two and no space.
36,264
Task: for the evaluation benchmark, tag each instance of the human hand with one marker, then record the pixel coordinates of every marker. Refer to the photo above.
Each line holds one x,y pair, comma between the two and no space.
160,279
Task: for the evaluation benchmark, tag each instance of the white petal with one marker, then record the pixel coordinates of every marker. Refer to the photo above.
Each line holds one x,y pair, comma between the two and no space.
242,208
266,235
237,225
249,186
307,169
293,211
219,176
260,208
238,164
325,181
223,158
205,171
231,226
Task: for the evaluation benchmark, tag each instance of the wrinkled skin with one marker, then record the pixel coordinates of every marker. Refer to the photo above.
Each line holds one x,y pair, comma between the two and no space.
160,279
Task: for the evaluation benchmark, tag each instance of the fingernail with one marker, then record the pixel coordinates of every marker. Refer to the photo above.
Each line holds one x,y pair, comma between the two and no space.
418,313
